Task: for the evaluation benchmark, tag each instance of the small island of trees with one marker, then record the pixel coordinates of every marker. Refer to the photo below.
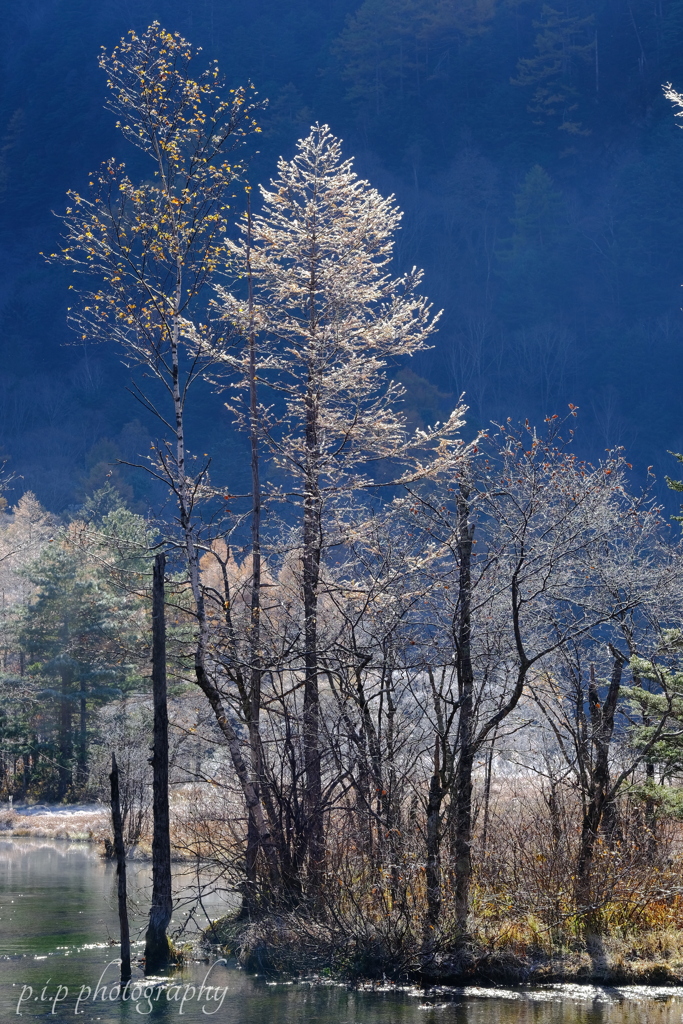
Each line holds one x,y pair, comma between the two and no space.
425,686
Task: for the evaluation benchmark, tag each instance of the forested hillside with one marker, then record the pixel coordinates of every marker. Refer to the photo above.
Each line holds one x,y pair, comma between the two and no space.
538,164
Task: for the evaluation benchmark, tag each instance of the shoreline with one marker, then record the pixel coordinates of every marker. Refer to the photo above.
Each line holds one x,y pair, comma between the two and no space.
287,946
274,947
77,823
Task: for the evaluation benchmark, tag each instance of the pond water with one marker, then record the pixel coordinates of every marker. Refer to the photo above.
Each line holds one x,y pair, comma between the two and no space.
57,918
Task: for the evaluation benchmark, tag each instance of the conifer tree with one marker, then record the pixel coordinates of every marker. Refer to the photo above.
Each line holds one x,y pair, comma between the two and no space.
565,43
83,634
330,317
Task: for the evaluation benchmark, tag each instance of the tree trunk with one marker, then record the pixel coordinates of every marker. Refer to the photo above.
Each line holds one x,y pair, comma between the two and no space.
650,809
312,543
25,774
433,865
487,796
602,727
314,822
65,737
183,487
554,812
463,837
157,947
462,783
249,790
82,740
120,852
650,813
253,711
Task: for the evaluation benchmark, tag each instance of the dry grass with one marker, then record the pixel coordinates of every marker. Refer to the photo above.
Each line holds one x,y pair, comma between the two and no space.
94,825
77,826
525,924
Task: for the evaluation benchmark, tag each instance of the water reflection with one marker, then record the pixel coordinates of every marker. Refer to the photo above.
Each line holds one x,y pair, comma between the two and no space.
57,917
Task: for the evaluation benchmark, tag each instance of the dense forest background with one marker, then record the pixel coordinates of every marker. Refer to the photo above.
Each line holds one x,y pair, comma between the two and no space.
539,166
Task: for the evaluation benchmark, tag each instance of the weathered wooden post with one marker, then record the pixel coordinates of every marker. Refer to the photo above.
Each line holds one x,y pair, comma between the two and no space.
157,947
120,852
